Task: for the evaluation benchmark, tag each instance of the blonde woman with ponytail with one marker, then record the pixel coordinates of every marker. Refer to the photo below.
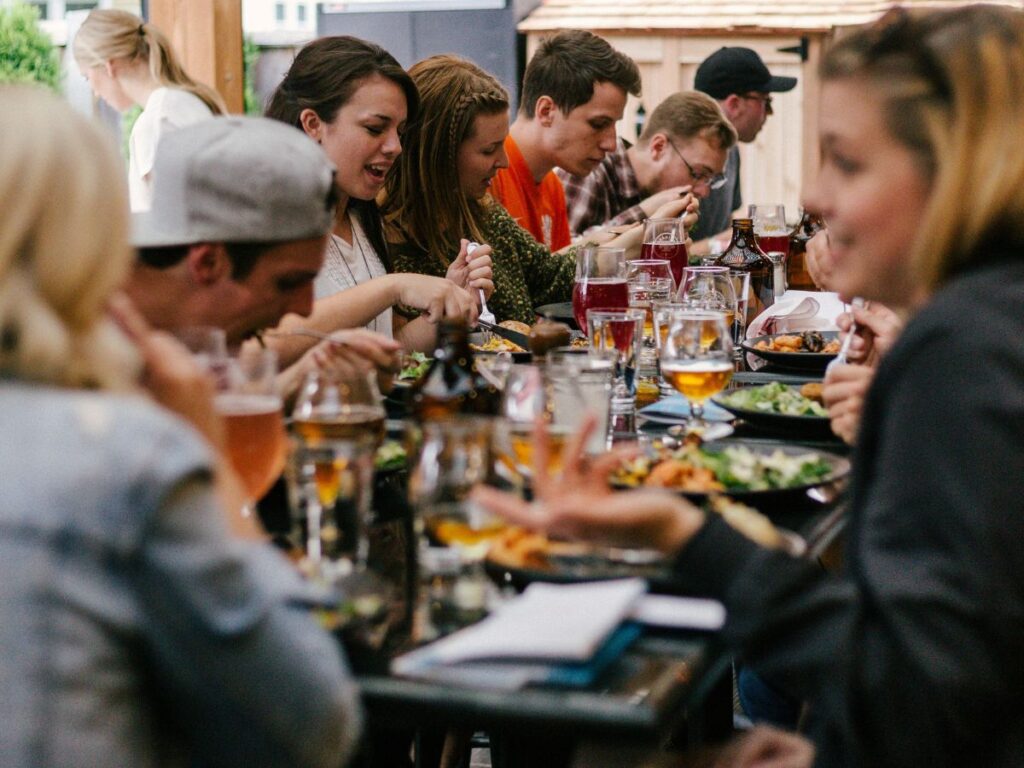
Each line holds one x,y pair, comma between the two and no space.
130,62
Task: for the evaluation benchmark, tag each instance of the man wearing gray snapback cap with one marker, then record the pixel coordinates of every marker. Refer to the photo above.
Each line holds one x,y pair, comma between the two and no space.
241,211
738,79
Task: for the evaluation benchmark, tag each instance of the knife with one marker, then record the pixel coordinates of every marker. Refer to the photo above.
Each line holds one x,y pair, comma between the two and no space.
514,336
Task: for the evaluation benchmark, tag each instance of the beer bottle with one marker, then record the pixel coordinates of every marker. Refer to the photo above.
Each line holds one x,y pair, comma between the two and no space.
797,276
744,255
451,384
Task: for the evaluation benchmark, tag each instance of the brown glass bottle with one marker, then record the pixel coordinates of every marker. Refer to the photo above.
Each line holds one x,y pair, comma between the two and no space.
451,384
797,276
743,254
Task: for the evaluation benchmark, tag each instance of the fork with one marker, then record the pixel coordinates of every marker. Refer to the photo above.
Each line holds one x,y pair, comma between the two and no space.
485,314
844,350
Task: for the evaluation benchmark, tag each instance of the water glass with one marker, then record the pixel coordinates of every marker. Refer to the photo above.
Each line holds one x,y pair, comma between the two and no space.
619,335
741,286
581,385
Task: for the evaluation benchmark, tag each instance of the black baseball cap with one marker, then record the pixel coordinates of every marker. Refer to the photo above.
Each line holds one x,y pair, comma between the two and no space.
737,70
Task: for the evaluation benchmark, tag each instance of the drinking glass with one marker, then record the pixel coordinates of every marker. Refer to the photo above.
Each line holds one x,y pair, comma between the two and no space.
536,394
454,456
664,314
581,385
650,280
697,361
248,401
600,282
741,286
619,336
710,288
666,239
339,423
770,227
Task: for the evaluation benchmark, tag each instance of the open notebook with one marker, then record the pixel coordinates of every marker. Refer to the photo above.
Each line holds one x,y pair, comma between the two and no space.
553,634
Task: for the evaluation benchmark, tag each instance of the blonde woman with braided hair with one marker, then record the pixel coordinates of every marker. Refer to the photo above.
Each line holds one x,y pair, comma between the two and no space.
129,62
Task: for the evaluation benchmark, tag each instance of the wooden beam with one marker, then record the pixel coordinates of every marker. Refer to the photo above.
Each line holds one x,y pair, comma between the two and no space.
207,36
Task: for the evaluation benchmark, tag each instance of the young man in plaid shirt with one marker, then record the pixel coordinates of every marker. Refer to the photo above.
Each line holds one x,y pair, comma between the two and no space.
683,147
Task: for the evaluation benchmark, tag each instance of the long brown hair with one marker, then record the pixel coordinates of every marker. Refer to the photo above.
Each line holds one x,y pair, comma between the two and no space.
423,199
108,34
326,73
951,84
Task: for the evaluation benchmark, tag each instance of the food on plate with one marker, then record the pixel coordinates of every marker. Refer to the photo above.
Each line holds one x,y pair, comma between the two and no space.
808,341
520,548
696,469
747,521
497,344
774,398
812,390
580,342
516,325
415,365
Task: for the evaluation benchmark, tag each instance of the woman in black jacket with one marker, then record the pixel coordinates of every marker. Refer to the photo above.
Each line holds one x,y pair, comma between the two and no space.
915,654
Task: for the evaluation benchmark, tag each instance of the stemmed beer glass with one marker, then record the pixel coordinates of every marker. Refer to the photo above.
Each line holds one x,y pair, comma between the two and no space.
696,359
340,425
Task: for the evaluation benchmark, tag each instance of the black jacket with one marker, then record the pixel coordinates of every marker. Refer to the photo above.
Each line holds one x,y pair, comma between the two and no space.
915,655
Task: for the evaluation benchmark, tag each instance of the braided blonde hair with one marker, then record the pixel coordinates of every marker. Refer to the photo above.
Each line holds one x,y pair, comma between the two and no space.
423,201
108,34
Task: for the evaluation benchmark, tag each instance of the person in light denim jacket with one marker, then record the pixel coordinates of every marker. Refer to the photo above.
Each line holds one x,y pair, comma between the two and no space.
145,621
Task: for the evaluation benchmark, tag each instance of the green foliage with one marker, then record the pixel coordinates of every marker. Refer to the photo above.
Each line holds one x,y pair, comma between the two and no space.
250,55
27,54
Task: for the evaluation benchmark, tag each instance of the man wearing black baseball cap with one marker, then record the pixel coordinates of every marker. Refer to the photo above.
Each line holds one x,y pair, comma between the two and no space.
742,85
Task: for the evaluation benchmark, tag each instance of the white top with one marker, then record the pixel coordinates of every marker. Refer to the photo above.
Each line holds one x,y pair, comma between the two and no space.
347,266
165,110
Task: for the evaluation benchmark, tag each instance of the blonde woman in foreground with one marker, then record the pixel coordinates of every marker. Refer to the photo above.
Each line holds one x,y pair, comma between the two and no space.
144,621
129,62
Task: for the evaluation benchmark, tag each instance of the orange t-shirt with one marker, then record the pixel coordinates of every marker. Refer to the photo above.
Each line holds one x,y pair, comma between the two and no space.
537,208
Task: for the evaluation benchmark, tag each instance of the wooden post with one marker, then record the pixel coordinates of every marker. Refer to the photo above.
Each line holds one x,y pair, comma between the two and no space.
207,35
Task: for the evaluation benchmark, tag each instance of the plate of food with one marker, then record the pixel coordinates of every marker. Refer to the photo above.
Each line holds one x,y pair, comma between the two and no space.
780,407
807,351
519,557
496,343
749,472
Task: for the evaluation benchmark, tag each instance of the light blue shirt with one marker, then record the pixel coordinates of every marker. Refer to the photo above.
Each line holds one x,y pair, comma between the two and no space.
134,629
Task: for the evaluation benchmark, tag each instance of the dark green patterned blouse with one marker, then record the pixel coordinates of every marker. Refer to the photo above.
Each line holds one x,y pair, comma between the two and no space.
526,274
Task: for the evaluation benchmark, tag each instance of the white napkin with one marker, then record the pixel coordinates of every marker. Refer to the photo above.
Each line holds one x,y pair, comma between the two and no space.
798,311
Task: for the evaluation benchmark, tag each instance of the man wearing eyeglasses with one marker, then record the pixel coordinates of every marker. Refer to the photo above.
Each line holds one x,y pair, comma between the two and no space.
738,79
682,148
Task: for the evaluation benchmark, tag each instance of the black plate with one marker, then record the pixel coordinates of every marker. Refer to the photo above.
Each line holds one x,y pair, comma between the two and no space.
561,311
774,499
779,423
801,361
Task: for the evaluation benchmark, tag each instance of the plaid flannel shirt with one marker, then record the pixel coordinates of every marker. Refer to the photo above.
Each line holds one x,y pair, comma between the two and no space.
609,194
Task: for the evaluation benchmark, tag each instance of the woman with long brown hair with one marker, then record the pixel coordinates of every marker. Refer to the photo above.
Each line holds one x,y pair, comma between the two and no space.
129,62
438,196
354,99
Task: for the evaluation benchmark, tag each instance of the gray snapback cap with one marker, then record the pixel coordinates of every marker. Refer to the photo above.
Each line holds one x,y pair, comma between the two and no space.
237,180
